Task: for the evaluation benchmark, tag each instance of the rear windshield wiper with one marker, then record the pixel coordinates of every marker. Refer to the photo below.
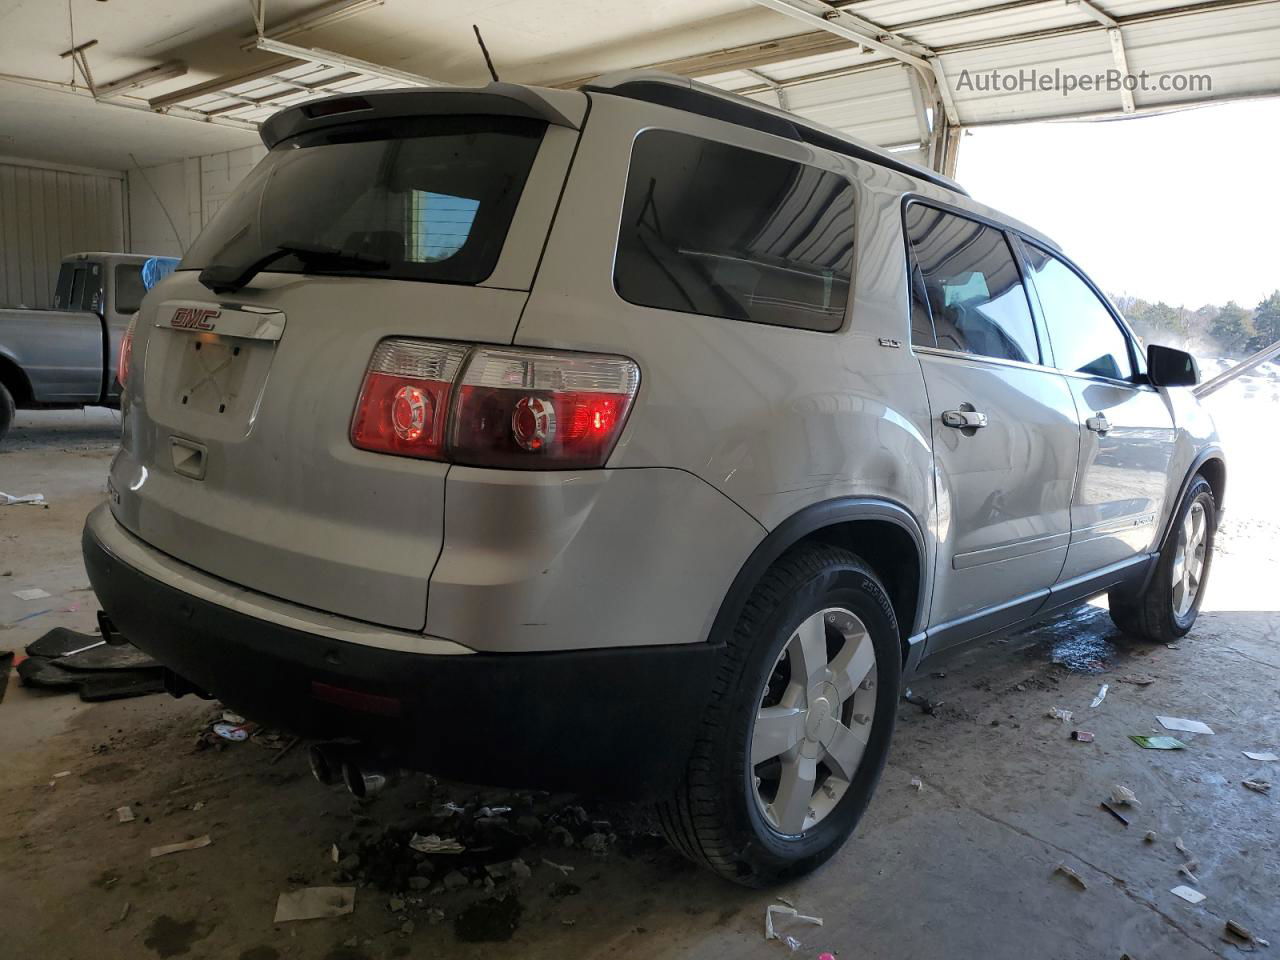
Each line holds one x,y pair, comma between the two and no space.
221,278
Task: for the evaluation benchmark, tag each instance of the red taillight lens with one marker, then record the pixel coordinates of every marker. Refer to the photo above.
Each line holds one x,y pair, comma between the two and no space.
540,410
404,402
531,409
126,353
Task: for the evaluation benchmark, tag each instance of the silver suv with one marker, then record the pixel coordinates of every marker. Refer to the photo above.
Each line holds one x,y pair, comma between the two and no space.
636,439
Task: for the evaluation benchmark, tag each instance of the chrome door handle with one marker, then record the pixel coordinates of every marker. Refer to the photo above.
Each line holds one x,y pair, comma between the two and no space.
962,419
1098,423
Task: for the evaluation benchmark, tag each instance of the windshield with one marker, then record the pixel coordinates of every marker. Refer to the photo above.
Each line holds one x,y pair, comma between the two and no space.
428,198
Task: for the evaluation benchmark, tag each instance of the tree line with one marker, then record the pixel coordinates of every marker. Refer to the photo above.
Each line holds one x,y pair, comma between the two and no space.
1228,330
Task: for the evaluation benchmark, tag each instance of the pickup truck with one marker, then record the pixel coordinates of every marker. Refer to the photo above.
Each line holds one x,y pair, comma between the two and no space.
66,356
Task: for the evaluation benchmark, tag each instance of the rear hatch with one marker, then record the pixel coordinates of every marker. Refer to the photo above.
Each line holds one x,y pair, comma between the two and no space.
248,361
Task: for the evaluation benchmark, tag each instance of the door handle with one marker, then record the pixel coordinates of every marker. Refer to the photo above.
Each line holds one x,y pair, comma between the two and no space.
1098,423
964,419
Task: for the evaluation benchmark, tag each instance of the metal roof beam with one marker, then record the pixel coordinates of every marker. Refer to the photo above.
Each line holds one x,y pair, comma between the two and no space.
331,59
326,16
872,36
1117,46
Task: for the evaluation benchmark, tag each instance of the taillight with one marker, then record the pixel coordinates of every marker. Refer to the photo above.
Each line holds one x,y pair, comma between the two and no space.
404,403
125,356
534,408
509,407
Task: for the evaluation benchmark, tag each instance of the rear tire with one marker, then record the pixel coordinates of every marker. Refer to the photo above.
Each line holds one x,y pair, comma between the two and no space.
799,655
1166,610
7,409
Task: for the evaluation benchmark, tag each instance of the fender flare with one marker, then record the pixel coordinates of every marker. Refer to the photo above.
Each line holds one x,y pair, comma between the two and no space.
1201,458
809,520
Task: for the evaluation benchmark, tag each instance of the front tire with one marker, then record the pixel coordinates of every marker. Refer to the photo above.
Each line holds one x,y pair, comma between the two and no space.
1166,610
797,728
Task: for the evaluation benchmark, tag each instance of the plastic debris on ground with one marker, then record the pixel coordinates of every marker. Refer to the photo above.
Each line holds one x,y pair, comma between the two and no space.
433,843
124,815
1102,695
232,732
168,848
1187,894
1071,875
1238,934
9,499
1182,848
781,910
1151,837
566,870
1184,726
1124,797
32,593
315,903
1157,743
1188,871
1261,757
924,703
1114,812
917,783
1083,736
1257,786
1057,713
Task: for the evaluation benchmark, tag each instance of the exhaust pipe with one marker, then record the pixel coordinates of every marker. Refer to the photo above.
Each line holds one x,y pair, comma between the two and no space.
364,781
326,762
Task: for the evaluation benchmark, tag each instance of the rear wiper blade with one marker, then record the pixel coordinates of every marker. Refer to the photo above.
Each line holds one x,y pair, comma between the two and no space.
221,278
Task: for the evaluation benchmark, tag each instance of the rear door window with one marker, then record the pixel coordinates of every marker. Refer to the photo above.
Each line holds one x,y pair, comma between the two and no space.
428,198
966,273
723,231
1084,334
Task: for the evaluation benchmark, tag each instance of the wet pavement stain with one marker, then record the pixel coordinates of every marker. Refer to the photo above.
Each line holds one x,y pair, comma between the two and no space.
1083,641
169,937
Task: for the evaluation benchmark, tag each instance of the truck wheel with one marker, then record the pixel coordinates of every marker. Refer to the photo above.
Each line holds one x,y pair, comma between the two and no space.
6,410
1168,606
797,727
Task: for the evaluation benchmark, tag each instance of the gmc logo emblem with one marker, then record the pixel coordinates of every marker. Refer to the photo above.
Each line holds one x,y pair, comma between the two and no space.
194,318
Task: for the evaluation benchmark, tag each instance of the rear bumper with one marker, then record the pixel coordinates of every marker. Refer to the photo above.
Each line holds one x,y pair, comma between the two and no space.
618,721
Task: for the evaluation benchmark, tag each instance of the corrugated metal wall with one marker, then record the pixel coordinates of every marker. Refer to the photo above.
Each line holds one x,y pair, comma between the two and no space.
46,214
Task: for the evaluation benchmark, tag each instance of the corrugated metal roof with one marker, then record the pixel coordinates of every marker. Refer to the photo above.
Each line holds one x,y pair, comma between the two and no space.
1235,43
866,93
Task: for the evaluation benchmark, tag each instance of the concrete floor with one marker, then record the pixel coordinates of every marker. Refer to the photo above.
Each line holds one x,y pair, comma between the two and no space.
964,867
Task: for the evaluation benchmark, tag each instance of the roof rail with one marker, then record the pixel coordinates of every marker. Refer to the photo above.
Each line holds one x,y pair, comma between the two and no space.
681,93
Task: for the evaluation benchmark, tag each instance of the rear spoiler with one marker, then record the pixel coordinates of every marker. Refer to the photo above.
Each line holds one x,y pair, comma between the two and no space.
561,108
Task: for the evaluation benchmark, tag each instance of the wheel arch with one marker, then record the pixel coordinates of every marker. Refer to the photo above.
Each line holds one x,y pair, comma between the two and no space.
1210,464
884,534
15,380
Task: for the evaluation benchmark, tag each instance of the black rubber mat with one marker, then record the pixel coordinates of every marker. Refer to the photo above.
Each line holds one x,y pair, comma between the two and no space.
60,641
121,656
68,660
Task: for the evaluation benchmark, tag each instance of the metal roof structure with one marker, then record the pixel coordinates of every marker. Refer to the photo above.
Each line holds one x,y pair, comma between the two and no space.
907,75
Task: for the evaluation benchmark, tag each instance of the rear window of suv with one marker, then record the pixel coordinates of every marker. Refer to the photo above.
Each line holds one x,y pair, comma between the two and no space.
428,198
722,231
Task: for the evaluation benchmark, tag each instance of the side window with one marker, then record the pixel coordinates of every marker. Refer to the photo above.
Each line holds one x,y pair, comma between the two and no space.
129,287
718,230
1085,337
972,286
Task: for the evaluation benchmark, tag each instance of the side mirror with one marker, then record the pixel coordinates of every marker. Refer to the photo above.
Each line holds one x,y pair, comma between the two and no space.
1168,367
